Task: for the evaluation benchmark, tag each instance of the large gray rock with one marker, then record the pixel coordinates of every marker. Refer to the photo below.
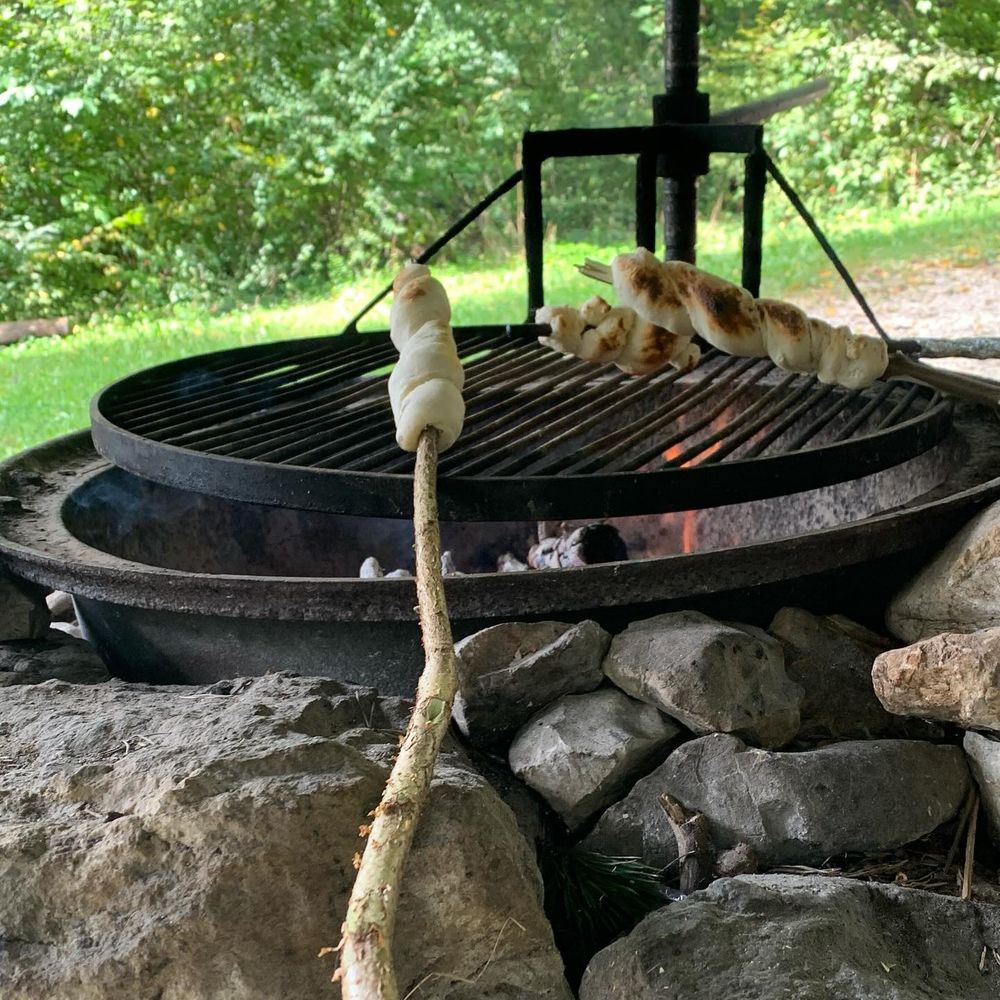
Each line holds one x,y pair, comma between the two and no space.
178,843
23,611
55,656
797,807
713,678
782,937
984,761
636,827
958,591
831,660
953,677
585,750
508,672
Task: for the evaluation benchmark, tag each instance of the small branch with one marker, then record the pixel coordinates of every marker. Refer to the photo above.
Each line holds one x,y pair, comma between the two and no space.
13,332
964,386
970,851
693,845
978,348
366,967
963,819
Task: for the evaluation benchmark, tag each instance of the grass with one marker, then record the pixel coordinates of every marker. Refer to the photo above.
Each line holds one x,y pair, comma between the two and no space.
45,385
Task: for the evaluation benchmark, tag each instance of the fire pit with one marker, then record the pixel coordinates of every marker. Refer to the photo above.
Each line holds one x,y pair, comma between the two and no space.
179,585
220,525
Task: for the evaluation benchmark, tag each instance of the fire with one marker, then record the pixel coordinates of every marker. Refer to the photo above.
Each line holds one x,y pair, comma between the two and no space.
689,518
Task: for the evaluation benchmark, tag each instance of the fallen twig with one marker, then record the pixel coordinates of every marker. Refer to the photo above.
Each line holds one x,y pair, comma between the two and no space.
970,850
963,819
691,833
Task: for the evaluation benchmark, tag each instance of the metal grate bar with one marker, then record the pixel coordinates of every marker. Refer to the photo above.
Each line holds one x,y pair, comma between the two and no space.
334,387
652,453
607,452
389,457
483,433
817,393
876,400
742,428
542,408
333,415
840,402
164,385
211,390
895,415
241,398
560,433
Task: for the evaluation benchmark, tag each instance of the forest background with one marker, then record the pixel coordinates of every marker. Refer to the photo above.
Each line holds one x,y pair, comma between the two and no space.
215,151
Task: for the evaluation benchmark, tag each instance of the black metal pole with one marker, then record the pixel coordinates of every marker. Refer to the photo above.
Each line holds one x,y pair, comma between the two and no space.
754,180
645,201
682,102
534,223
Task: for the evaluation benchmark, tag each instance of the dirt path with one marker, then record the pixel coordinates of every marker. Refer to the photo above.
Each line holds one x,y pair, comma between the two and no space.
926,300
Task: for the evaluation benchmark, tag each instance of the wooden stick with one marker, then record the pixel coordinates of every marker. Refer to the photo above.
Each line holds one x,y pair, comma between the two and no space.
691,833
970,851
366,968
956,384
963,819
977,348
17,330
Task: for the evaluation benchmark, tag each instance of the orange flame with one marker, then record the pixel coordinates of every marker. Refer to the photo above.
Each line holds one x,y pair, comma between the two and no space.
689,518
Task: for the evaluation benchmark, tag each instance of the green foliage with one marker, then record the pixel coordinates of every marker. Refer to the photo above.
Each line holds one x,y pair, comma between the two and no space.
911,115
590,899
160,151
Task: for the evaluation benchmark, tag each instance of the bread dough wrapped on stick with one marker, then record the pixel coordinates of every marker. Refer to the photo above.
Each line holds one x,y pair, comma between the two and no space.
681,300
597,332
425,387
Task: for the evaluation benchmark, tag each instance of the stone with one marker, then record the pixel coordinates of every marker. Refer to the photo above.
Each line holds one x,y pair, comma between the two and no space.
983,753
55,656
585,750
636,827
23,612
784,937
508,672
795,808
738,860
171,842
68,628
953,677
61,606
831,659
959,590
711,677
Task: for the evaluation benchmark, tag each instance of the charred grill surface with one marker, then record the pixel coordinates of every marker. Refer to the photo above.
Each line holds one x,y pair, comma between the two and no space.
307,423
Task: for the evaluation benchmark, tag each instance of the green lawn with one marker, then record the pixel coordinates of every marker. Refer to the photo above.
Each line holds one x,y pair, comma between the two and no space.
45,385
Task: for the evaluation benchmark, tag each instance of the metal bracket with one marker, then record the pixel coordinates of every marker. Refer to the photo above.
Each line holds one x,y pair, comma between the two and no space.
652,145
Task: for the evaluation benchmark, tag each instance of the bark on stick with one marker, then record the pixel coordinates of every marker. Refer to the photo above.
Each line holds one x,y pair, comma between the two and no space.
366,958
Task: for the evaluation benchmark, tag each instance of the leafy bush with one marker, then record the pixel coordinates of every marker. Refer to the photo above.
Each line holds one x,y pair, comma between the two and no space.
156,151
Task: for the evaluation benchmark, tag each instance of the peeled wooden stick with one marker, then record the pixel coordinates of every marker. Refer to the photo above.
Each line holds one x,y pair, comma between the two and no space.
366,968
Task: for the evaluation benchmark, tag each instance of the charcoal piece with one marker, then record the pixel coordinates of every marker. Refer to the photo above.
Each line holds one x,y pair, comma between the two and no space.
583,546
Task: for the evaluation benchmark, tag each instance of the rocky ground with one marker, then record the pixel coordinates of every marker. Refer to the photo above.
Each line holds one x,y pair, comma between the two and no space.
926,299
178,843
